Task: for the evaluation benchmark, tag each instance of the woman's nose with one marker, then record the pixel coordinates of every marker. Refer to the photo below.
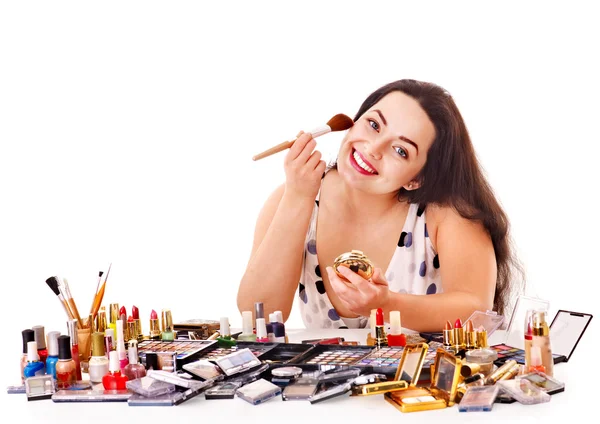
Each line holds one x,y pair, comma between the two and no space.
375,149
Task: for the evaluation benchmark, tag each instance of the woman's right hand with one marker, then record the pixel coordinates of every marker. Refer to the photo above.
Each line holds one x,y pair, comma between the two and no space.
303,167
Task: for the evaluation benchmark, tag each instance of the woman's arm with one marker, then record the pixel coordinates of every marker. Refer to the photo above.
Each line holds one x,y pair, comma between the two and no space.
275,265
468,273
274,268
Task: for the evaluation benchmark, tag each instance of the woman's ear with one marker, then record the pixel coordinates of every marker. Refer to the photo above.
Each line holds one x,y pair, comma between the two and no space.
413,185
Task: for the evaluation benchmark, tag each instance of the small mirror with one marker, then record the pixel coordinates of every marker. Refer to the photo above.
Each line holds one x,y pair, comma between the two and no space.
446,374
566,330
411,363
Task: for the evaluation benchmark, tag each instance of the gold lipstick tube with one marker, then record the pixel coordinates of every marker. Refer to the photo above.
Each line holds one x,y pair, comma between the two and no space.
495,376
511,373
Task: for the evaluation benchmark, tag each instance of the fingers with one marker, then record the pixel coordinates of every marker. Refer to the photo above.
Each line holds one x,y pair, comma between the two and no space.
313,160
302,148
379,278
350,275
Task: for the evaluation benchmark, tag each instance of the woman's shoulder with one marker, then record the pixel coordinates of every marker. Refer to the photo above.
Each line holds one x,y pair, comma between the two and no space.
451,221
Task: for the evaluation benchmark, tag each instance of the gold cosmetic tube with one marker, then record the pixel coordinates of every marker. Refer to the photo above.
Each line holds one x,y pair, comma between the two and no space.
495,376
482,339
459,339
378,388
511,373
101,321
468,369
541,339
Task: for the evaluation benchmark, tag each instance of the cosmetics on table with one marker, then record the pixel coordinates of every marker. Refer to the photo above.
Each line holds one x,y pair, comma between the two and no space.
121,352
380,336
259,310
167,325
74,340
109,341
154,326
541,339
123,318
448,336
536,360
131,330
101,320
135,314
528,336
133,369
98,366
248,334
459,336
261,331
28,336
470,336
114,380
482,357
40,339
172,354
396,338
113,309
66,367
496,375
39,387
34,365
225,338
52,353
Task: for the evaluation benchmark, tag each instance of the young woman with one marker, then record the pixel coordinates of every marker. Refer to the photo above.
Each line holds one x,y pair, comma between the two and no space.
406,190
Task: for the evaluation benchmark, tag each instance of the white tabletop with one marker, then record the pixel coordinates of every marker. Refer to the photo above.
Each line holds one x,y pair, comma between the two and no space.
577,399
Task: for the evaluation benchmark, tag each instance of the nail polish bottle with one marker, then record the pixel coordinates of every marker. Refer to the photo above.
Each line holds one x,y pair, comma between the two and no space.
155,332
66,368
121,352
109,341
278,329
34,366
247,328
72,330
114,380
52,353
225,339
269,326
40,339
259,310
261,331
28,336
167,326
98,366
134,370
396,338
380,337
279,316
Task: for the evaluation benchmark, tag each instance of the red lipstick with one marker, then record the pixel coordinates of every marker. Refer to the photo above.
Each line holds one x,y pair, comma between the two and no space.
459,335
154,326
380,337
135,313
123,317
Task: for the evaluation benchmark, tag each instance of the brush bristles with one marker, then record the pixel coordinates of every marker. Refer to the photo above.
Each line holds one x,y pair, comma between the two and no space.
53,284
340,122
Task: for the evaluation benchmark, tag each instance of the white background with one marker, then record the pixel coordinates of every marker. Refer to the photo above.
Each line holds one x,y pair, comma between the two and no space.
127,131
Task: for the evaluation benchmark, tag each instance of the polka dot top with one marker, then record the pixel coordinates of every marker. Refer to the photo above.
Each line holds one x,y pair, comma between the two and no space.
414,269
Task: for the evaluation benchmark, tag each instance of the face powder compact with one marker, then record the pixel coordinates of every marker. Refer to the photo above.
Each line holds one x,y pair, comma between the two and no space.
356,261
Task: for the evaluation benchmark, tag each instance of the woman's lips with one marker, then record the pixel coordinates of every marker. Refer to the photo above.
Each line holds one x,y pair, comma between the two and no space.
356,166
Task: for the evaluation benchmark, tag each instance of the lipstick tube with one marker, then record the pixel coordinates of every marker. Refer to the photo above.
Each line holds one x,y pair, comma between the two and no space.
482,338
114,316
131,330
514,370
380,338
154,326
101,320
459,335
495,376
135,313
448,335
471,336
167,325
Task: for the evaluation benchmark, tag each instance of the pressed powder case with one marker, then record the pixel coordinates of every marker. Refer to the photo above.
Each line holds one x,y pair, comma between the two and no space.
356,261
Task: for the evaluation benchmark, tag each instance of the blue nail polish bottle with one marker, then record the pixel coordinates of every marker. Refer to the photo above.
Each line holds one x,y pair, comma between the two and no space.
52,353
34,366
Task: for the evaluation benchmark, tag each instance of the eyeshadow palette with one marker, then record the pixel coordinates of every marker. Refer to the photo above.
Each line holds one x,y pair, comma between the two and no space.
387,359
186,350
506,352
332,355
284,353
215,352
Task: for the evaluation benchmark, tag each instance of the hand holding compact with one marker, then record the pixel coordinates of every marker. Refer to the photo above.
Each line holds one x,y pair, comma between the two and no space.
358,294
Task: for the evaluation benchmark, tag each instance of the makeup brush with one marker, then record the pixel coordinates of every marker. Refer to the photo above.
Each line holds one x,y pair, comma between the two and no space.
96,292
53,284
63,285
100,294
339,122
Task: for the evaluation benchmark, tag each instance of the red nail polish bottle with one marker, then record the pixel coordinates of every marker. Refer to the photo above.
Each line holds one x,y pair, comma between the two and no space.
396,338
114,380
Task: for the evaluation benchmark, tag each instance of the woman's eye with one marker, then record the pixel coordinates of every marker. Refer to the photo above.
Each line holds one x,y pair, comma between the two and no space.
374,125
401,152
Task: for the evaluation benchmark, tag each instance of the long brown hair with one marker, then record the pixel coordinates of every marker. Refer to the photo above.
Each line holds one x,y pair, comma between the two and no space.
452,176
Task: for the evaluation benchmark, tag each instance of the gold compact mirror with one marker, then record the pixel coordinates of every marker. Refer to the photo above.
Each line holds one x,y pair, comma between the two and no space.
411,363
357,262
446,375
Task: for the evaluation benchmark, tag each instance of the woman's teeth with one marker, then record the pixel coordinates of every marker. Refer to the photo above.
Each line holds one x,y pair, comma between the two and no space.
362,164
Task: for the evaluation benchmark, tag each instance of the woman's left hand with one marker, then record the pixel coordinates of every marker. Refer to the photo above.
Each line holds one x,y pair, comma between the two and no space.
359,295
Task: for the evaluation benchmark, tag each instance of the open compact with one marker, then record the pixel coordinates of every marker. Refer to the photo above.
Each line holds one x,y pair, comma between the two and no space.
356,261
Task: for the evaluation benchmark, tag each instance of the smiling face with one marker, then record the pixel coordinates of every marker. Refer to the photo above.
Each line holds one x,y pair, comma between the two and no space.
387,146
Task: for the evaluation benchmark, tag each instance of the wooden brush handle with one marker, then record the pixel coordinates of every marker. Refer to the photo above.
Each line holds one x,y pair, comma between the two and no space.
75,312
98,300
276,149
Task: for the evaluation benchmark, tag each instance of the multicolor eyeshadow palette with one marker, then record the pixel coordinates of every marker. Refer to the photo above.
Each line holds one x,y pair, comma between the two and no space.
284,353
186,350
216,352
506,352
332,355
387,359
